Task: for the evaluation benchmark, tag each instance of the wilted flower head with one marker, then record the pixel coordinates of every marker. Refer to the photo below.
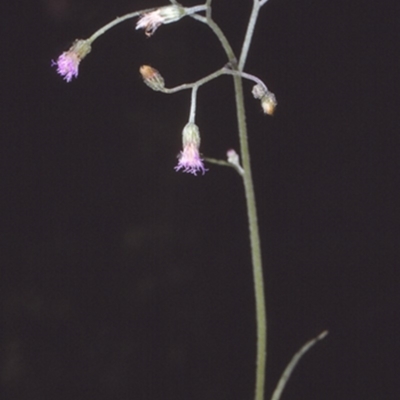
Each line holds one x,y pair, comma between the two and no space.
68,62
152,77
164,15
189,157
269,103
267,98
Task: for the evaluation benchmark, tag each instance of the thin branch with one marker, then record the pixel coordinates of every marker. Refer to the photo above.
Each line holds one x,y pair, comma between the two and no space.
291,366
218,162
224,163
195,9
210,77
199,18
193,85
193,103
117,21
209,9
262,2
246,76
220,35
249,34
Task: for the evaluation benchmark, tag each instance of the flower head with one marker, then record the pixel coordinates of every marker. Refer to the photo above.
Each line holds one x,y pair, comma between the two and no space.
269,103
189,158
267,98
68,63
165,15
152,77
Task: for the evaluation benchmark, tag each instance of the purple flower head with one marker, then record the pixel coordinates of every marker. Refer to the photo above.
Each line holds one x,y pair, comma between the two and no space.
68,63
189,158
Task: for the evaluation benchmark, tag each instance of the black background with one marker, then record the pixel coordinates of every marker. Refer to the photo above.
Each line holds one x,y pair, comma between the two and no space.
122,279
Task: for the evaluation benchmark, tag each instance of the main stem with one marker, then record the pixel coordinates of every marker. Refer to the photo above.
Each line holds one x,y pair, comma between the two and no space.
261,316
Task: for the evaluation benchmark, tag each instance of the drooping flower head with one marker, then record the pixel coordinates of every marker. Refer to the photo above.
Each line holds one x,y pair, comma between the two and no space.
165,15
68,63
267,98
189,158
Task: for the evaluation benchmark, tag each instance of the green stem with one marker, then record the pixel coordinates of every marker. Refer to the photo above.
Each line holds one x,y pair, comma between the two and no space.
261,309
261,316
293,363
197,84
116,21
249,34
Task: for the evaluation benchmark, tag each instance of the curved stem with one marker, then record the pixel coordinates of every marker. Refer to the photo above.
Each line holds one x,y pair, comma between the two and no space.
197,84
293,362
116,21
210,77
246,76
221,36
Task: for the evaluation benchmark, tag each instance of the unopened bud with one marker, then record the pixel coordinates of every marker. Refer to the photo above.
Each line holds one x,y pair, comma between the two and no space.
152,78
233,158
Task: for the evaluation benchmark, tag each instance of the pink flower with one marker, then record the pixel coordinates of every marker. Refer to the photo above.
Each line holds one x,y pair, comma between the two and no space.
68,63
189,158
164,15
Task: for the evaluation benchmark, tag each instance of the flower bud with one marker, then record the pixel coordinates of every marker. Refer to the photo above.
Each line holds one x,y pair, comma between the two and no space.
233,158
152,78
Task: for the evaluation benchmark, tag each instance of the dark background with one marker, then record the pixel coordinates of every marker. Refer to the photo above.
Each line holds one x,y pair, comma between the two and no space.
122,279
